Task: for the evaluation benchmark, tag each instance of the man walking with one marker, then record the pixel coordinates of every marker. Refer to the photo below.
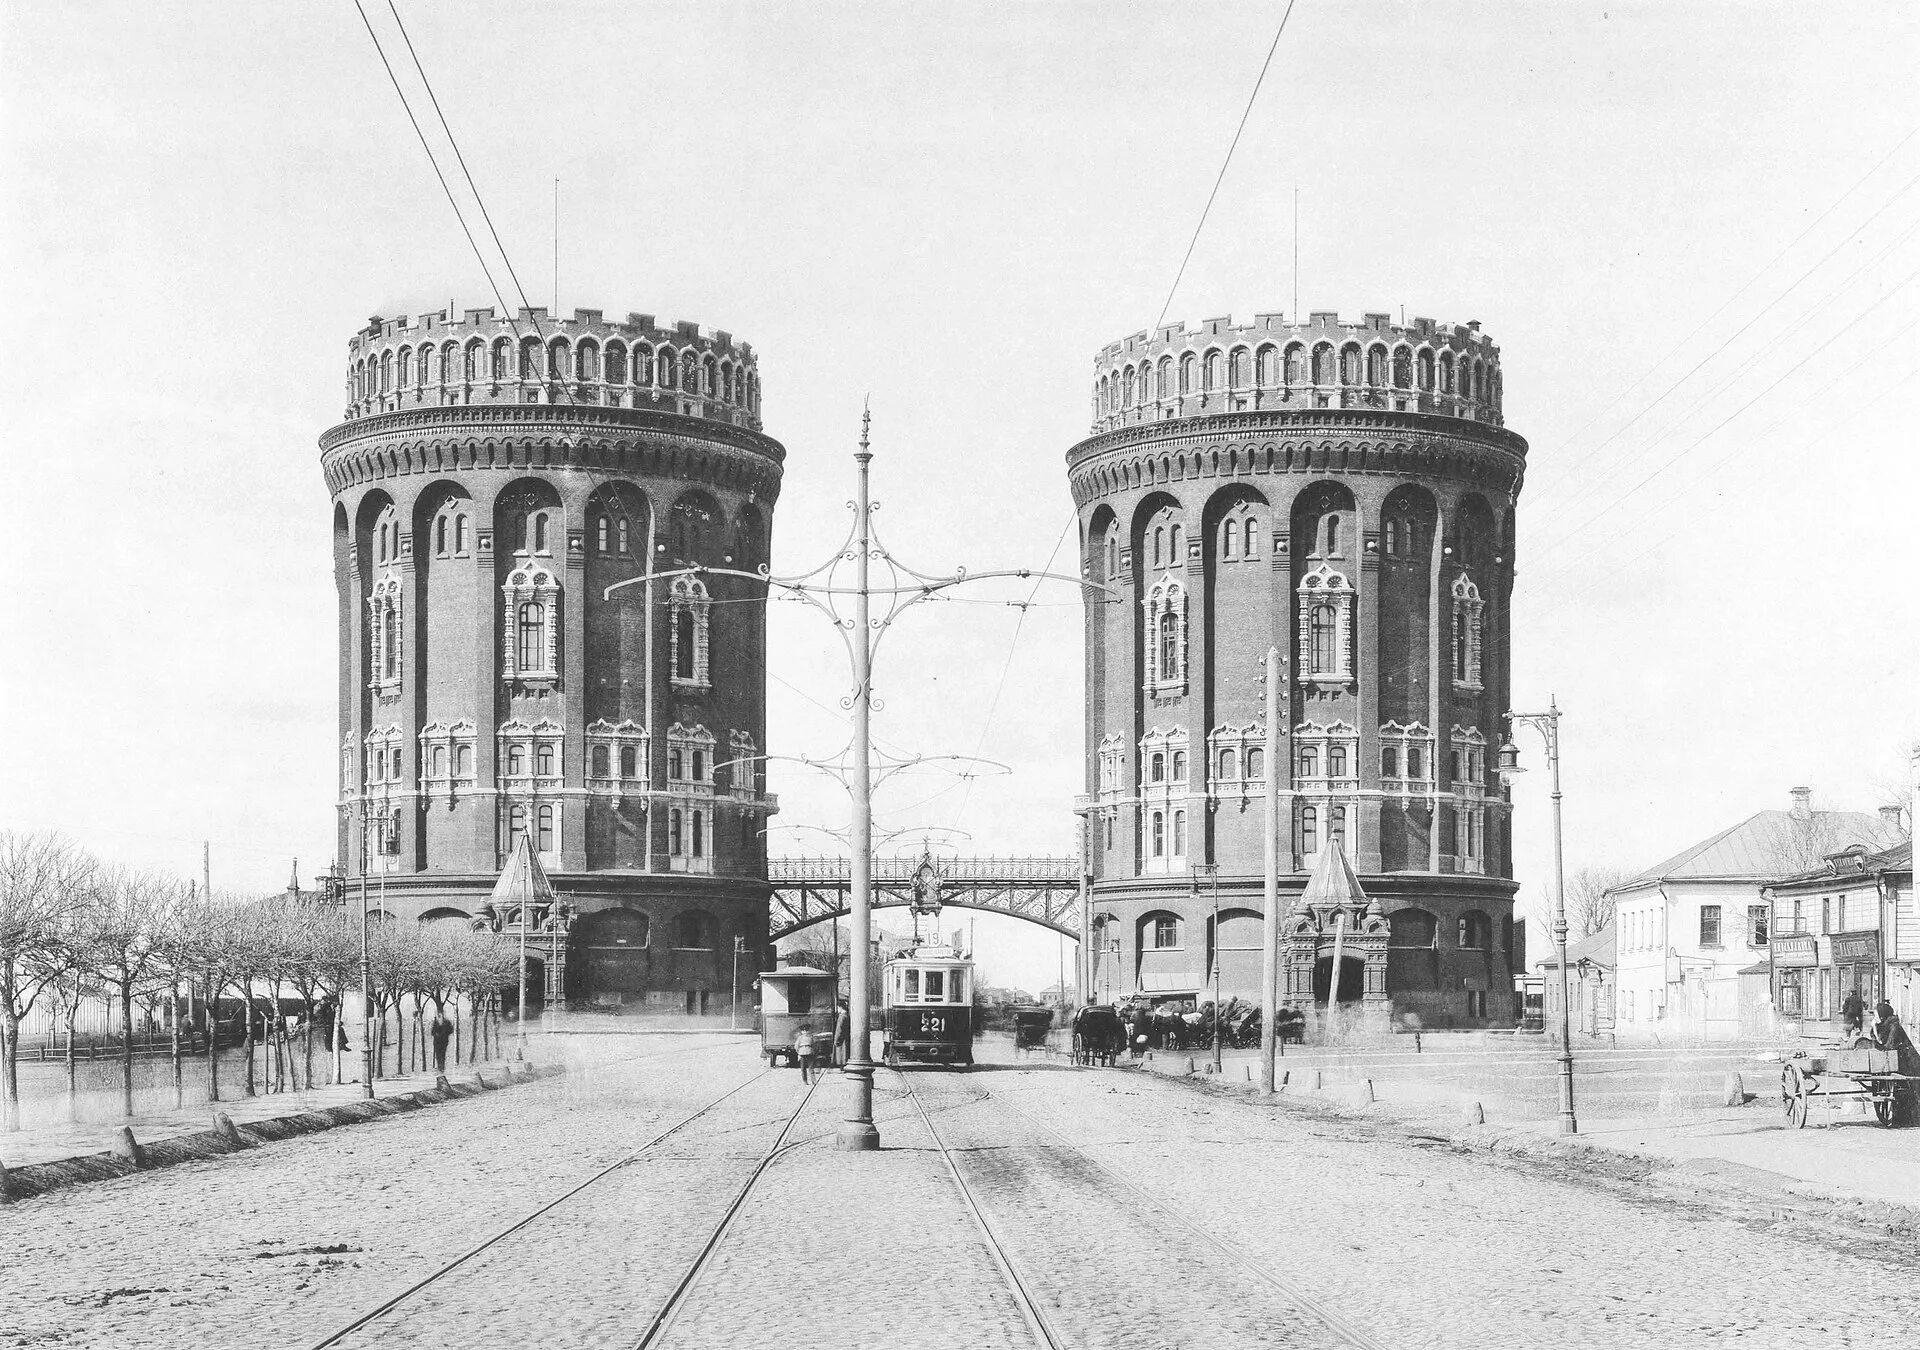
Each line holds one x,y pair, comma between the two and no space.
442,1030
1853,1012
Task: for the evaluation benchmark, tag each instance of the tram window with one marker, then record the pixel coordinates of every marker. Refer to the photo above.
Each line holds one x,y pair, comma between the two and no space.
936,986
913,984
799,996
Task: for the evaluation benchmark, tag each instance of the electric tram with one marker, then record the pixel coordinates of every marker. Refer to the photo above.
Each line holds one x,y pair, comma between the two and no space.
927,998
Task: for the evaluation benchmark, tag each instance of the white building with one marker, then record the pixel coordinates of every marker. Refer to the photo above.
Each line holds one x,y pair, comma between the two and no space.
1690,926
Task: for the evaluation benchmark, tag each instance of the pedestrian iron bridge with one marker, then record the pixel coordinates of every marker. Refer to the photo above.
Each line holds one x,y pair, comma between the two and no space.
1043,890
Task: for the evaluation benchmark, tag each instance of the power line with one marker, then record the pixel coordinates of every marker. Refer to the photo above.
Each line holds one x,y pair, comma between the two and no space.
1222,175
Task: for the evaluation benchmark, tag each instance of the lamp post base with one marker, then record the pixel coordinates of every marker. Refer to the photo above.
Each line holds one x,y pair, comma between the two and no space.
857,1133
857,1136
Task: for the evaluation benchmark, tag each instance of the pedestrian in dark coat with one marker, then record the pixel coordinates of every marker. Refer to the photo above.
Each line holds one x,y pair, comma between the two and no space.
842,1034
1853,1012
442,1030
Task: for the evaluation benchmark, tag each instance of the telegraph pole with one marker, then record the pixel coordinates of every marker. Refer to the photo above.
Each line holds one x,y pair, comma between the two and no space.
1270,924
366,968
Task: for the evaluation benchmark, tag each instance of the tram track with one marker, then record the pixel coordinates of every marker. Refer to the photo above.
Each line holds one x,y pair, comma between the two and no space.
441,1272
1046,1329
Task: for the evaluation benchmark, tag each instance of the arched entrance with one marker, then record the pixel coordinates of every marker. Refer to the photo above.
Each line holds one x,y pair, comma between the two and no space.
610,957
1353,978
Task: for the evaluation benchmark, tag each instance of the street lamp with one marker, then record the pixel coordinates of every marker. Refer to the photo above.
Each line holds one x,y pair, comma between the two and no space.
1212,871
1548,725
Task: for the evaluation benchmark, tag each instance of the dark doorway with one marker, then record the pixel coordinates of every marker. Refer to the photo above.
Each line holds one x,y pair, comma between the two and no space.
610,952
1353,978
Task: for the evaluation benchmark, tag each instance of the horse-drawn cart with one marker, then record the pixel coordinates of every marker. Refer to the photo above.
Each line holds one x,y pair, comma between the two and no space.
1862,1071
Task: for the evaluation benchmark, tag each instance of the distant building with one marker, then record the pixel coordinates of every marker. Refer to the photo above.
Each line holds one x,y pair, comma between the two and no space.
1847,924
1592,984
1689,926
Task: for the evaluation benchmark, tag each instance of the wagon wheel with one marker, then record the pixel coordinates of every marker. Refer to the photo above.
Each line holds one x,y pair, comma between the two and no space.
1794,1092
1079,1049
1885,1107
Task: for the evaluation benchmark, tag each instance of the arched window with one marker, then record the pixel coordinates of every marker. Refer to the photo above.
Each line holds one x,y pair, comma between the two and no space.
1256,764
616,363
463,760
529,358
1376,365
1446,372
1187,364
602,762
543,760
557,359
1309,830
1252,538
1157,768
683,645
586,362
1229,765
460,533
629,762
1322,631
1392,537
642,364
1240,368
540,533
516,823
1159,834
1336,761
1179,834
533,632
1169,644
1426,369
699,766
1296,365
403,375
1337,826
475,355
1459,647
1267,367
545,819
673,832
1214,371
502,354
623,535
699,839
1323,364
1113,558
1309,761
603,534
1230,539
386,371
440,537
1402,368
1179,766
1159,542
1350,365
1174,552
692,930
1164,387
390,643
516,761
1333,535
1415,762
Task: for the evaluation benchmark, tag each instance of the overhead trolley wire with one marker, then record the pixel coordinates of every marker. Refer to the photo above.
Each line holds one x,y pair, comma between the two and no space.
1220,178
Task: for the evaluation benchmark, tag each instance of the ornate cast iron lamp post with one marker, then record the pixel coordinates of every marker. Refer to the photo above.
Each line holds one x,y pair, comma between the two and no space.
1548,725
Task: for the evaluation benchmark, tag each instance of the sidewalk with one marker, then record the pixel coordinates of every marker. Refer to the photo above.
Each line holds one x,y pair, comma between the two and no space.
58,1143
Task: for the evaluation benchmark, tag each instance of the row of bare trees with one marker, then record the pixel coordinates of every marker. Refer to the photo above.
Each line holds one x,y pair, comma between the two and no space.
74,928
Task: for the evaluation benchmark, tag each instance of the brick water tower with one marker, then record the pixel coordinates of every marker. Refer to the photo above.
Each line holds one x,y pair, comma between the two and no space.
1345,492
491,479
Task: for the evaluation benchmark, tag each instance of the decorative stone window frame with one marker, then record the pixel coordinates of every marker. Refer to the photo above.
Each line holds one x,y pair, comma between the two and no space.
614,737
1240,534
350,773
1113,768
1470,838
449,739
689,595
378,746
386,609
1465,629
1167,597
1321,739
1171,794
530,738
1325,584
743,765
683,740
1240,742
1472,747
1400,739
532,806
531,583
684,811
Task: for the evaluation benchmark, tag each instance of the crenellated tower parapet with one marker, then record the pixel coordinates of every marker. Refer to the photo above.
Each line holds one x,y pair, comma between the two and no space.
1271,364
437,360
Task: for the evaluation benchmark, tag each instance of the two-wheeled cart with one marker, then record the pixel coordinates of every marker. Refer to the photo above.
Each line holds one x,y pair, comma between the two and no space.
1858,1072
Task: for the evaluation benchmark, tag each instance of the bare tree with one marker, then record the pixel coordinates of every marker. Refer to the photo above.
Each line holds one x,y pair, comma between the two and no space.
123,933
41,879
1589,907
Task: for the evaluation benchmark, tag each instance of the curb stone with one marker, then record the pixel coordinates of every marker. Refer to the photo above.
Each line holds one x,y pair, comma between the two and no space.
19,1183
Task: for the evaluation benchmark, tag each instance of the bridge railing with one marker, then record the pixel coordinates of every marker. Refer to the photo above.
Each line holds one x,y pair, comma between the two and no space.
1031,870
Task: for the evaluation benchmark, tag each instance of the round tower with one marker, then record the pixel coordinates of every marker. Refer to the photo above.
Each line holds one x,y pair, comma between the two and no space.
491,479
1344,492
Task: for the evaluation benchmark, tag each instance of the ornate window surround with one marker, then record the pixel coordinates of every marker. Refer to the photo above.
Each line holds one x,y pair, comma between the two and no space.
1322,739
386,610
1413,736
449,740
689,595
1473,754
531,583
531,738
1167,597
1113,768
613,737
1467,606
1166,798
743,765
1241,741
1324,585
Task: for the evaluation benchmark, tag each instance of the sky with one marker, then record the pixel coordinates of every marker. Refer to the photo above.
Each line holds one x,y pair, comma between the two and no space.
1690,228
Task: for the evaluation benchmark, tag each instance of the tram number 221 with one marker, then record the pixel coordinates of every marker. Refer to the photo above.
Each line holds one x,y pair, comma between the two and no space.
932,1024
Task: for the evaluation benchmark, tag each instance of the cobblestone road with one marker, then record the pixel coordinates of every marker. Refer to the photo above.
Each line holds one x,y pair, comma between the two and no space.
1416,1247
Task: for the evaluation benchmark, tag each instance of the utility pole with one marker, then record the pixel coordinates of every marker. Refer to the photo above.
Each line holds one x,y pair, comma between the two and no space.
1548,725
1270,924
861,632
733,1013
366,967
